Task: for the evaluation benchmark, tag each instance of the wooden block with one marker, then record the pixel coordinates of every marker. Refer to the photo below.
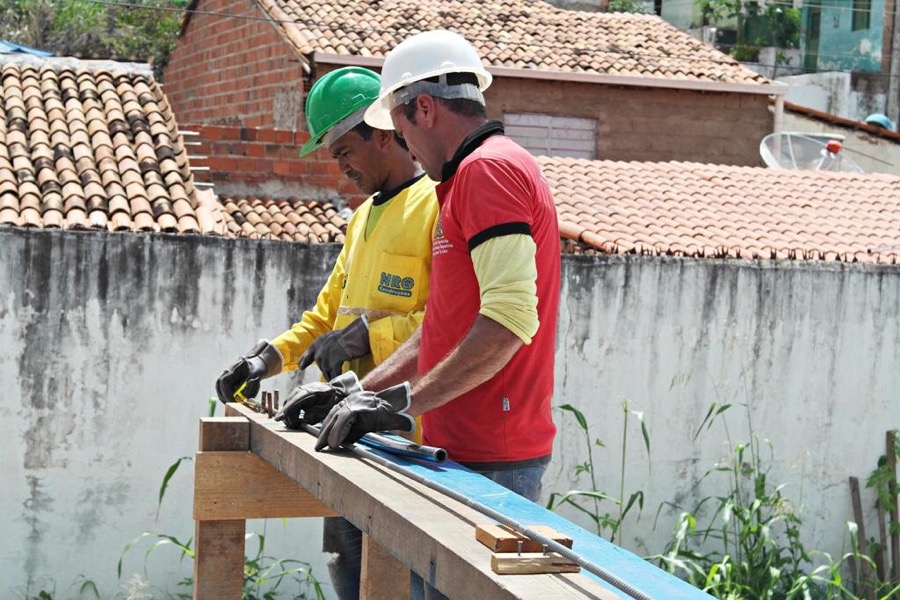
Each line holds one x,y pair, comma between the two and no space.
530,563
501,538
224,433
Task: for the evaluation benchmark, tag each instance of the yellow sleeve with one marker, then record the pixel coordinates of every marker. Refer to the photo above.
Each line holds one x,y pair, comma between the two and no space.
315,322
507,278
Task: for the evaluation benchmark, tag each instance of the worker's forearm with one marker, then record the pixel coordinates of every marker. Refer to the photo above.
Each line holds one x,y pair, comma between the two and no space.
479,356
399,366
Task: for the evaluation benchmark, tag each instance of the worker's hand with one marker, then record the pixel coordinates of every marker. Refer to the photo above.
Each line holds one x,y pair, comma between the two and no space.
310,403
242,378
366,412
330,350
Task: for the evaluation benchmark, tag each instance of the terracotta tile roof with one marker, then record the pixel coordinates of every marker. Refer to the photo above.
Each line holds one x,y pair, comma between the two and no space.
522,34
94,146
290,220
90,146
698,210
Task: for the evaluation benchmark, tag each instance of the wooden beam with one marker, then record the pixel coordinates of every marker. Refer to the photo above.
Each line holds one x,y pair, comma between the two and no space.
240,485
418,526
382,575
219,544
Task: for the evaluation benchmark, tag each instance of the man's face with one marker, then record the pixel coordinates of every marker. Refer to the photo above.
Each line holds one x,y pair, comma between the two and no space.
360,160
421,145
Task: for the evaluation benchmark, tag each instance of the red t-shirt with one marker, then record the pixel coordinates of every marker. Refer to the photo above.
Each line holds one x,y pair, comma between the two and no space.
497,189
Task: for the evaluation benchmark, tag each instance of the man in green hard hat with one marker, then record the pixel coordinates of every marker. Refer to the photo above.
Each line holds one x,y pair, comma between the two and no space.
374,298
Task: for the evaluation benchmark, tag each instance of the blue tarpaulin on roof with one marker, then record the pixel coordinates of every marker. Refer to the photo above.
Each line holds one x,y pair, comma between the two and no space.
13,48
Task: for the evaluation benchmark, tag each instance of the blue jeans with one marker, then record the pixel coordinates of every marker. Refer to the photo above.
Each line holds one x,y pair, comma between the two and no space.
344,540
525,481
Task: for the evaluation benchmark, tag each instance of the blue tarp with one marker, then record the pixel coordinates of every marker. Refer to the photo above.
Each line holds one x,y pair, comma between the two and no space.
13,48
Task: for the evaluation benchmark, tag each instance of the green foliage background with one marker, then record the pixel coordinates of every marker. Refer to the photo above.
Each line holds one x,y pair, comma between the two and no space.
131,30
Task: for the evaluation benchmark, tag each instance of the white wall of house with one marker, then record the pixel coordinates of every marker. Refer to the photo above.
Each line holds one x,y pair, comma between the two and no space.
110,345
833,93
872,153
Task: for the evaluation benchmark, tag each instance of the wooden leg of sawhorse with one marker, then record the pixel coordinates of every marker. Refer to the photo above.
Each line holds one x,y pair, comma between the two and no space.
382,575
218,559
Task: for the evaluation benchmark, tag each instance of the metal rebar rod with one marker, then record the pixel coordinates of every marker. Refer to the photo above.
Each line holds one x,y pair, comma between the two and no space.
550,543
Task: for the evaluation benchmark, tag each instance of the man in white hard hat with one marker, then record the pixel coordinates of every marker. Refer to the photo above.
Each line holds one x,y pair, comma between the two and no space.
480,369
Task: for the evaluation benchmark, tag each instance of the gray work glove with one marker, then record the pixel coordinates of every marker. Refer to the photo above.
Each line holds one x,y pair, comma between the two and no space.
332,349
367,412
310,403
264,360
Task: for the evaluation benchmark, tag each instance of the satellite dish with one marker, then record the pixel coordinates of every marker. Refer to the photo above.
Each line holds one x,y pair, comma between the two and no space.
806,152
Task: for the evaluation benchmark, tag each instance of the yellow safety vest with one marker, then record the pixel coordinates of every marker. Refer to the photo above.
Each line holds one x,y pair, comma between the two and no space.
385,276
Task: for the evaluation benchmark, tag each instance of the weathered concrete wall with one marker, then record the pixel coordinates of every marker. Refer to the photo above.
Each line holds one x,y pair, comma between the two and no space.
806,353
110,345
109,348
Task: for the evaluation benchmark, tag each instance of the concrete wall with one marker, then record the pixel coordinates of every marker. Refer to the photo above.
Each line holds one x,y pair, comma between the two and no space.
843,94
109,348
110,345
806,353
873,154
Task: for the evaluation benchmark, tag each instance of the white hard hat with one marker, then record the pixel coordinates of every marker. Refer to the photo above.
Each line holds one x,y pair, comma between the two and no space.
422,56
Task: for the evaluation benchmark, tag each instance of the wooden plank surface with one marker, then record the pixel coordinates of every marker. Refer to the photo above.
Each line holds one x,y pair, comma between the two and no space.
240,485
435,534
513,563
418,526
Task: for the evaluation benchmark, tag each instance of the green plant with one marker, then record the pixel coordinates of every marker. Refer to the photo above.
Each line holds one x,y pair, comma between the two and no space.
144,31
716,11
874,572
593,497
750,546
742,53
627,6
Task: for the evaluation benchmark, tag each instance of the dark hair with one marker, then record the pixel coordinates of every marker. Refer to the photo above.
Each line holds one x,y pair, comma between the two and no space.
460,106
365,131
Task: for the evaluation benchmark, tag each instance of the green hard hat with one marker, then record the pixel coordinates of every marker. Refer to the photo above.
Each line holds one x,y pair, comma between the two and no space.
334,98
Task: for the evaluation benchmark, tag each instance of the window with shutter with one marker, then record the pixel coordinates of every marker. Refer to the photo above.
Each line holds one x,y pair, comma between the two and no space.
548,135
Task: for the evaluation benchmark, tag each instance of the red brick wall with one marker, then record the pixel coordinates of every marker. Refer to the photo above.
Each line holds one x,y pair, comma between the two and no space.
245,161
647,124
235,71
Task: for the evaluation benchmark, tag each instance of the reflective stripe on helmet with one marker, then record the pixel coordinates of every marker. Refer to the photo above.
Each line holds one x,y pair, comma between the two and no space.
438,89
343,127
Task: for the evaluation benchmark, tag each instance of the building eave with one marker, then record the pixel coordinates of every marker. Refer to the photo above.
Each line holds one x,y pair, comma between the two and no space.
767,89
